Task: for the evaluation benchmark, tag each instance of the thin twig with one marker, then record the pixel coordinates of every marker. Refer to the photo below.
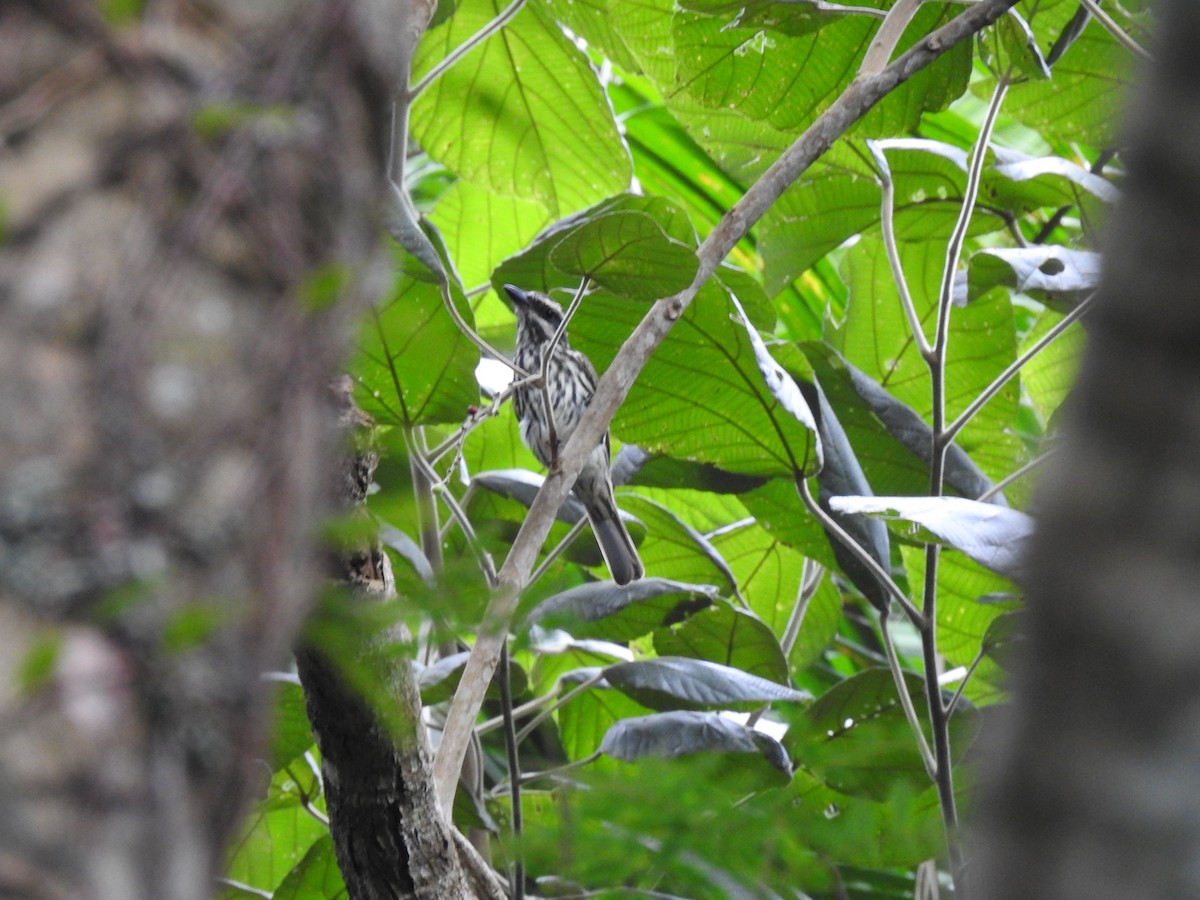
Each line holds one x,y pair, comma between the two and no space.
465,47
887,220
847,540
1019,363
810,579
484,558
962,685
936,362
558,549
558,704
906,703
1014,476
958,235
514,774
1116,30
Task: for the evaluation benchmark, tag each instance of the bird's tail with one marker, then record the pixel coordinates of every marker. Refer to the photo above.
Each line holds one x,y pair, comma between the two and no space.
615,543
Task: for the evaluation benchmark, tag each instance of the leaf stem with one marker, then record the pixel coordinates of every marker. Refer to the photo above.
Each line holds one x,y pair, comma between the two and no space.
465,47
847,540
1116,30
1019,363
887,220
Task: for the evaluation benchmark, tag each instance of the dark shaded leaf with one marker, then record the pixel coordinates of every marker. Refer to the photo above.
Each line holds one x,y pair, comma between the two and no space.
670,734
675,682
729,636
603,610
633,465
628,253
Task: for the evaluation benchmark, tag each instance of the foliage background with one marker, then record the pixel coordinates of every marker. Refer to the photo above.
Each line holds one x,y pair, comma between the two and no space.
608,150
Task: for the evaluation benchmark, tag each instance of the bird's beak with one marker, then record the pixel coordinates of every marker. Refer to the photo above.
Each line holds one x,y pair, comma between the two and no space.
518,296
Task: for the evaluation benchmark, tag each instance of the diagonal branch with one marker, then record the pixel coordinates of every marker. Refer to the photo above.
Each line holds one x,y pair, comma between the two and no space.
850,106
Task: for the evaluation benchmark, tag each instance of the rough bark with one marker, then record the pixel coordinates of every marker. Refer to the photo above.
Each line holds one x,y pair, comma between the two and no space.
389,836
1095,790
177,192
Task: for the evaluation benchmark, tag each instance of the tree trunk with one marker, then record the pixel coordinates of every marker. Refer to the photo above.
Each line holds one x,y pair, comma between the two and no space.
187,206
1095,790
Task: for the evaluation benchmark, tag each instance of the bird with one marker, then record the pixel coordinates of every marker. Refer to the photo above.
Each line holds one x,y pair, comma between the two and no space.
570,384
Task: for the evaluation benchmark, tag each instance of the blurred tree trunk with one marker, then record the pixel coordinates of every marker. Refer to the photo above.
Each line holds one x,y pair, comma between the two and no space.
187,209
1095,792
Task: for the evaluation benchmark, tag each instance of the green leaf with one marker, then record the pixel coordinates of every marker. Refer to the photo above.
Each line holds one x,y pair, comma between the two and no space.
901,829
414,365
603,610
592,21
701,396
626,252
1082,100
963,617
522,115
673,549
39,662
586,718
729,636
677,682
292,735
316,877
877,339
766,74
768,571
481,227
1010,49
1049,376
537,267
273,842
856,738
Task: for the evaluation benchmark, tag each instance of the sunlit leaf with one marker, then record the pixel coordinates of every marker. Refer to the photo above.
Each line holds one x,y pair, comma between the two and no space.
521,115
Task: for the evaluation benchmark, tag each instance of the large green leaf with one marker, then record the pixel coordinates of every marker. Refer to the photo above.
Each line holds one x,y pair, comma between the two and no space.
1048,376
729,636
481,227
877,339
523,114
701,396
622,251
1082,99
673,549
970,598
316,877
273,843
414,365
